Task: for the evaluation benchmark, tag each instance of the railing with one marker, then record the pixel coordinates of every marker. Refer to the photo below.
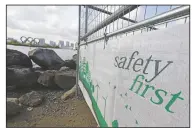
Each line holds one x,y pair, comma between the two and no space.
97,21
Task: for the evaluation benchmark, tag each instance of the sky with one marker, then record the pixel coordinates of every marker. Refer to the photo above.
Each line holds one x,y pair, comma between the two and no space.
54,23
49,22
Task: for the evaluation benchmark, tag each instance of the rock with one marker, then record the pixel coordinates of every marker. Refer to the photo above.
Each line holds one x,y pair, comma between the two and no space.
65,79
38,70
46,58
15,57
70,63
31,99
47,79
64,68
21,77
11,88
75,57
12,108
54,98
15,100
69,94
30,108
16,66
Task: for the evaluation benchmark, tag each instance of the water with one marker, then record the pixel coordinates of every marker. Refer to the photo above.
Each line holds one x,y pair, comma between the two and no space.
65,54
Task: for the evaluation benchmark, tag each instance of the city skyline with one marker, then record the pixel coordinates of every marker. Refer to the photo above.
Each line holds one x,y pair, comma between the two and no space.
60,43
47,42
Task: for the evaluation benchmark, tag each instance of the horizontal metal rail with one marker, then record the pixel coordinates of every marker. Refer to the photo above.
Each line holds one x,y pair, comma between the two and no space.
110,13
117,14
175,13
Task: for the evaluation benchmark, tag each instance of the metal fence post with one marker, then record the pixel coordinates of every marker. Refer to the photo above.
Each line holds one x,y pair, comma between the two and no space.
78,48
86,18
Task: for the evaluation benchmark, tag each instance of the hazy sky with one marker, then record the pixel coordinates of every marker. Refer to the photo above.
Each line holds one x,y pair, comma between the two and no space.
49,22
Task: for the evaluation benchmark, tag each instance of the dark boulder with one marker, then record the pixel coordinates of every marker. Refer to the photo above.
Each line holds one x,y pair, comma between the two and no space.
47,79
31,99
38,70
19,77
75,57
46,58
65,79
15,57
64,68
12,108
70,63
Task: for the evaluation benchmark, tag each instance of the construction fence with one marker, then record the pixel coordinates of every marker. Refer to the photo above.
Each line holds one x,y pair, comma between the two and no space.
133,64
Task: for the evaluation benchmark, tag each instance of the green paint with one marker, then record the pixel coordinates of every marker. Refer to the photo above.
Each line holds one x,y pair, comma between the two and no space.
136,122
126,106
115,124
159,96
173,99
85,76
93,88
137,87
146,88
140,83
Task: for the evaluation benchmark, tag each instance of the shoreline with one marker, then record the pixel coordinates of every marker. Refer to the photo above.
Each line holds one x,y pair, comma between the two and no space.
34,46
40,47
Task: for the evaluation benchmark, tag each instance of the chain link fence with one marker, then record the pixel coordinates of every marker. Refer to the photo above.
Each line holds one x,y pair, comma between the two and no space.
105,22
97,22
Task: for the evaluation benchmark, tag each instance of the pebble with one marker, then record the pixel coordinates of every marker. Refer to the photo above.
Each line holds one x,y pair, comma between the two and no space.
30,108
54,98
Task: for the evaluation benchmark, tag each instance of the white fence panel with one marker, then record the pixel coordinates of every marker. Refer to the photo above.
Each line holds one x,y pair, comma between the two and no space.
138,80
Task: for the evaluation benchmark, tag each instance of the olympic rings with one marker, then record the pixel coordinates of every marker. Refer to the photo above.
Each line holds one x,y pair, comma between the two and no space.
30,40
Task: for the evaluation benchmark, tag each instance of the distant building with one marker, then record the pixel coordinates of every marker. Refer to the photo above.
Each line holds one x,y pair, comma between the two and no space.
10,39
52,43
41,42
61,44
67,44
72,45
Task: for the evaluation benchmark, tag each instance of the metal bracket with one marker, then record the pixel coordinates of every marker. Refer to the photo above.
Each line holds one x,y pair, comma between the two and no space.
86,44
105,37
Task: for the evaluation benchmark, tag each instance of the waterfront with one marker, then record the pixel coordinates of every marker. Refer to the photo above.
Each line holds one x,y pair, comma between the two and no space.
65,54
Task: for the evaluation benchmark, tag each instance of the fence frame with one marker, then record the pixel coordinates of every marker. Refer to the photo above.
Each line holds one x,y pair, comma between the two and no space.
182,11
175,13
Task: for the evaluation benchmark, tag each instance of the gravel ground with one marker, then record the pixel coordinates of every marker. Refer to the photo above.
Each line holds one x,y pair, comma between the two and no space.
53,112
